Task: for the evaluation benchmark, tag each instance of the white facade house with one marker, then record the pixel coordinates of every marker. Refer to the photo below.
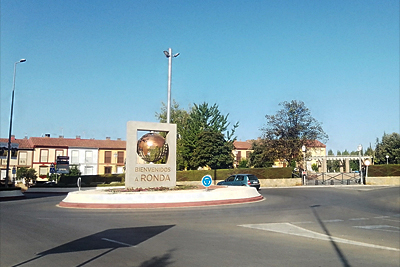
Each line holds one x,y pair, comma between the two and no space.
85,158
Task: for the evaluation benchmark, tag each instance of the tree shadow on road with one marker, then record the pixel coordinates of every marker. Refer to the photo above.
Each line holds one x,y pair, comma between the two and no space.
110,239
338,251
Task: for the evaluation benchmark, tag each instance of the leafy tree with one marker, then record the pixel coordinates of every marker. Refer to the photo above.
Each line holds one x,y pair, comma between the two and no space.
291,128
190,124
389,145
28,174
73,171
332,165
369,152
262,156
178,115
244,163
314,167
212,150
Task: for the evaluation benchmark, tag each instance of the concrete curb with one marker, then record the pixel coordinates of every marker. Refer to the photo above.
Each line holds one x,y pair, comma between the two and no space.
95,199
11,195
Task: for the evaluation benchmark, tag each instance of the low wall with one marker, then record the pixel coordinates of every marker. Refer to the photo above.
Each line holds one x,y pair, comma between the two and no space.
263,182
388,180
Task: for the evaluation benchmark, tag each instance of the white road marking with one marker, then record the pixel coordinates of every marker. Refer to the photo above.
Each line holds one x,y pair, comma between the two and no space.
358,219
334,220
386,228
117,242
290,229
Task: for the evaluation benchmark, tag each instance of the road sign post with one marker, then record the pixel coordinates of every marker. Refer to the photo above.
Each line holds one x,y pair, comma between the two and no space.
206,181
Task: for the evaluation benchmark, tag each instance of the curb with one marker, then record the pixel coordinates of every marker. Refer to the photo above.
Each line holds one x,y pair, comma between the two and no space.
159,205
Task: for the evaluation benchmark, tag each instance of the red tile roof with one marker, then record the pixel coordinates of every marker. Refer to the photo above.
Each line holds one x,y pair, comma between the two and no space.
22,143
314,143
240,145
66,143
69,142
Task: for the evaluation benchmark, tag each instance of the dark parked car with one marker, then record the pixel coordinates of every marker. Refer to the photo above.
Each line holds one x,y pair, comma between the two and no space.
242,180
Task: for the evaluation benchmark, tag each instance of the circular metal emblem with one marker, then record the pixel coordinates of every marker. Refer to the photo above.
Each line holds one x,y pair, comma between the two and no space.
152,147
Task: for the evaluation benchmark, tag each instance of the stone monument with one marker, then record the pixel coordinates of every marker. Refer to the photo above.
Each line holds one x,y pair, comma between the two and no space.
150,160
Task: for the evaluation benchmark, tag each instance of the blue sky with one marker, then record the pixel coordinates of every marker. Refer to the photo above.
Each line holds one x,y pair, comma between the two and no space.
94,65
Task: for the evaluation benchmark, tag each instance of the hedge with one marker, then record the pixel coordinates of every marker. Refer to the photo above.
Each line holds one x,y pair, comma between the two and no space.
261,173
88,180
384,170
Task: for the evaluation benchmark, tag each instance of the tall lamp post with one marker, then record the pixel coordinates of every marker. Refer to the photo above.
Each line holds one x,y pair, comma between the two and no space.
387,159
169,55
359,148
303,148
11,117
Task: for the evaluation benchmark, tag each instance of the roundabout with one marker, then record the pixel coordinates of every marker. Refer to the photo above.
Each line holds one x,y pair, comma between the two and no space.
216,195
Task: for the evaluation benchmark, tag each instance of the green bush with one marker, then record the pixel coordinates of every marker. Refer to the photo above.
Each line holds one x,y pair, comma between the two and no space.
261,173
384,170
90,180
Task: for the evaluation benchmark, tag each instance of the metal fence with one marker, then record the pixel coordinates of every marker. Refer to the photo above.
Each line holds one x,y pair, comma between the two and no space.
332,178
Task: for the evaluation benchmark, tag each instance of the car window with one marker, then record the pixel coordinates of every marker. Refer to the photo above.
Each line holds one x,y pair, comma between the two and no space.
230,178
240,178
252,177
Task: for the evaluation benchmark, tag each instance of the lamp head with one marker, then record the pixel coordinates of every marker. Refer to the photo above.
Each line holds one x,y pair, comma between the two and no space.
166,53
22,60
177,54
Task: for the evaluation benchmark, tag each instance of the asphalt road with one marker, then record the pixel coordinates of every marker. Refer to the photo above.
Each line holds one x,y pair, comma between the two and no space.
308,226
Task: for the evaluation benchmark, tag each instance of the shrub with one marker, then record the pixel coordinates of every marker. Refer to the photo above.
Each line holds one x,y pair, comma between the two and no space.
384,170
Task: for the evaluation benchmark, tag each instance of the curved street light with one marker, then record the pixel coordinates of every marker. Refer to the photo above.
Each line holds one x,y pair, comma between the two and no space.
169,55
11,117
359,148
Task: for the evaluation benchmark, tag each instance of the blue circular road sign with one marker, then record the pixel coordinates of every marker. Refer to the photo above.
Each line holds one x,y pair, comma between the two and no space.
206,180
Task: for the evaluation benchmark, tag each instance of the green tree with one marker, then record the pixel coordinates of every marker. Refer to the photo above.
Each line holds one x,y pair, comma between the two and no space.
332,165
389,145
244,163
28,174
262,156
190,124
291,128
212,150
73,171
314,167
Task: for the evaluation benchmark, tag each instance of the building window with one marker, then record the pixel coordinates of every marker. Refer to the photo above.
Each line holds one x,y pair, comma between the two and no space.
107,157
120,159
22,158
238,156
107,170
44,155
88,156
43,172
120,169
59,153
88,170
74,157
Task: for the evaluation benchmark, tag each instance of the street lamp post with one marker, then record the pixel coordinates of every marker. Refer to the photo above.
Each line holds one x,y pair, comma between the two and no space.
169,55
303,148
359,155
11,117
387,159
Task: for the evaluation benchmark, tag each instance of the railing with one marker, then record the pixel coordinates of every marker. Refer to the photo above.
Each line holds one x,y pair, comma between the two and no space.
333,178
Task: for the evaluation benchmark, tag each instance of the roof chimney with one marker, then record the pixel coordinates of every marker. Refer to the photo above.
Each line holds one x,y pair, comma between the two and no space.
13,137
47,135
78,137
61,136
108,138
